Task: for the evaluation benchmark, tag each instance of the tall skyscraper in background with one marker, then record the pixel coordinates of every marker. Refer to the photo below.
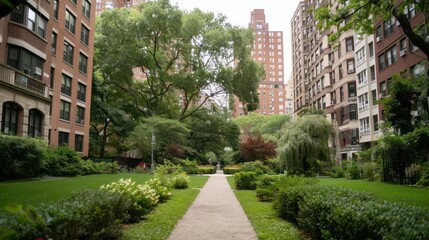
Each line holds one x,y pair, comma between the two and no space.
268,50
46,55
102,5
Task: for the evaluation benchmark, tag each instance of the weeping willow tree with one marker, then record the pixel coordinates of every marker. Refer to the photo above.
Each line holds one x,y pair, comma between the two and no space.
303,142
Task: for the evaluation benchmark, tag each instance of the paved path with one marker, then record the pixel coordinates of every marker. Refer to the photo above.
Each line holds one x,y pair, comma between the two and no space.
215,214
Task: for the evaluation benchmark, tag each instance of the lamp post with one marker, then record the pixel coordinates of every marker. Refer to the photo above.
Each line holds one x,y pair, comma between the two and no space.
152,165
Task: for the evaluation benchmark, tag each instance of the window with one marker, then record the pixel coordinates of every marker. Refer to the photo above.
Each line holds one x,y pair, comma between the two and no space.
349,44
63,138
403,45
371,49
364,126
352,112
341,94
340,71
25,61
391,56
389,26
383,89
78,143
410,10
86,8
84,35
64,110
381,62
362,80
10,118
81,92
83,63
30,18
51,77
80,115
34,123
363,101
374,97
350,66
66,85
378,33
56,3
360,56
54,43
372,70
352,89
375,121
68,53
70,22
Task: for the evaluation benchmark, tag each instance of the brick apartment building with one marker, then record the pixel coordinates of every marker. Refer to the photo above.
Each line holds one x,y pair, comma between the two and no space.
268,50
46,55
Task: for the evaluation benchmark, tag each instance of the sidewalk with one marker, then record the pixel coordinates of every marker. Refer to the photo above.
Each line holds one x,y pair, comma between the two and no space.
215,214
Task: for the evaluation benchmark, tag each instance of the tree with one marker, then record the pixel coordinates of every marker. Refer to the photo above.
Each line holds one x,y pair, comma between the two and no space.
360,15
7,6
304,141
255,148
172,53
256,124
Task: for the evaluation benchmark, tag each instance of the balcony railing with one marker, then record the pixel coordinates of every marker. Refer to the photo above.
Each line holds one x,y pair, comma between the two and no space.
23,81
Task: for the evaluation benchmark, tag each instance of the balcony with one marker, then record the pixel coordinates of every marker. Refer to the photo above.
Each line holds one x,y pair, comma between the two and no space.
22,81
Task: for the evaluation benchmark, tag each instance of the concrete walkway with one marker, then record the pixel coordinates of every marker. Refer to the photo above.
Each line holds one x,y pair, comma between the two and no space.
215,214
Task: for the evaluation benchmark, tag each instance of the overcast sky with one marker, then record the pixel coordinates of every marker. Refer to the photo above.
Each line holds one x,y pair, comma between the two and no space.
278,14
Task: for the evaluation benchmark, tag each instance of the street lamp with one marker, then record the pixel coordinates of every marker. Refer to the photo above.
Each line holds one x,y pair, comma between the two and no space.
152,166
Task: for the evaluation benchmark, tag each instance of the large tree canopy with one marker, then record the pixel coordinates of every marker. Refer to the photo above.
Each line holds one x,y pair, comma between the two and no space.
173,53
360,15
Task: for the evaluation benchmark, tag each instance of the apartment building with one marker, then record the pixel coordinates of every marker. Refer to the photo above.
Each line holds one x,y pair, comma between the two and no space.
395,54
46,54
268,50
324,77
102,5
366,80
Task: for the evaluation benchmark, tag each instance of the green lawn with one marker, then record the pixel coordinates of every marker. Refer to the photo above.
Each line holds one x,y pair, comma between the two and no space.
263,218
389,192
160,223
43,191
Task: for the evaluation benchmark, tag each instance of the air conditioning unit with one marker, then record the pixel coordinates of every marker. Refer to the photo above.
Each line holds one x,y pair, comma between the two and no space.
403,52
378,39
37,71
381,95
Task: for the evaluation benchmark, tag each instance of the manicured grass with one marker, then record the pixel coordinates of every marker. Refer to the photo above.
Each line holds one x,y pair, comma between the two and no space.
160,223
263,217
389,192
43,191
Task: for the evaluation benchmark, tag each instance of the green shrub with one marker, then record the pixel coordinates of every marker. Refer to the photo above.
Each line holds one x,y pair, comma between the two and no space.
256,166
269,186
143,198
231,171
338,172
325,212
87,215
180,181
369,171
162,191
20,157
354,171
63,161
172,175
207,170
245,180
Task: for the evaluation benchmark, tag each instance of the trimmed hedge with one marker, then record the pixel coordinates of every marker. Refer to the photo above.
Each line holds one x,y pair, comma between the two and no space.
246,180
90,214
200,170
231,171
268,186
326,212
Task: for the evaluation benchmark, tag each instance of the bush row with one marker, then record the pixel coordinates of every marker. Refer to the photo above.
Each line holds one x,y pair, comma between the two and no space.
326,212
28,158
92,214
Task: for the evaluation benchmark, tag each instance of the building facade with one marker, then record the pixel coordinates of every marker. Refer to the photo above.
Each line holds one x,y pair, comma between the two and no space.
268,50
324,76
46,55
102,5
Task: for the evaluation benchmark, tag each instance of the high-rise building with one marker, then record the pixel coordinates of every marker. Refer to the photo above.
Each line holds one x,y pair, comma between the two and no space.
324,77
102,5
46,54
268,50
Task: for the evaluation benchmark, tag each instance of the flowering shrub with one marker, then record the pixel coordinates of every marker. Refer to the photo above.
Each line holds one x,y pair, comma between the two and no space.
143,198
163,191
180,181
